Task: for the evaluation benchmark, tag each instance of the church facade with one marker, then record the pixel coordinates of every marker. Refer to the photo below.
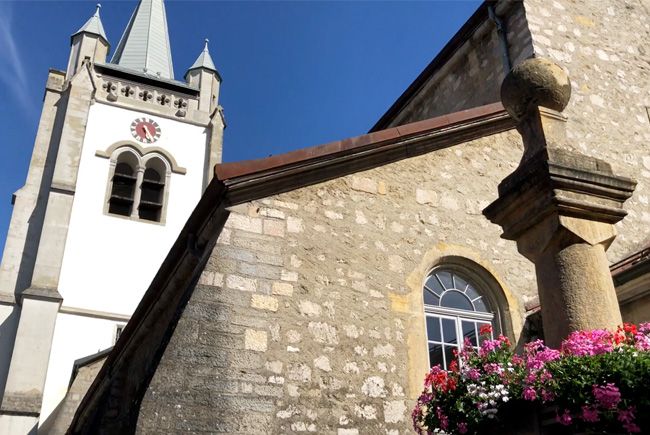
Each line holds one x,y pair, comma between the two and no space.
311,291
121,157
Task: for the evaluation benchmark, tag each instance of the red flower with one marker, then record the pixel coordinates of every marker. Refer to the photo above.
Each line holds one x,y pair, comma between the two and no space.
629,328
485,330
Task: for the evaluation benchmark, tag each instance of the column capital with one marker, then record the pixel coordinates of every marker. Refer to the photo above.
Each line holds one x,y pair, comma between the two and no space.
559,189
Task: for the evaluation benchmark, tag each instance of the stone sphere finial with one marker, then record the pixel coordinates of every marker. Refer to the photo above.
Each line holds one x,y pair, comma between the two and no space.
535,82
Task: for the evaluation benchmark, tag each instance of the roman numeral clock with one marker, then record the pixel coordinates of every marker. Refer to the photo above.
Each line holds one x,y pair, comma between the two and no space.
145,130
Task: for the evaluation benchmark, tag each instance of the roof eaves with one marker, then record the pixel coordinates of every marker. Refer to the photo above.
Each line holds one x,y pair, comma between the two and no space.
253,179
141,77
631,267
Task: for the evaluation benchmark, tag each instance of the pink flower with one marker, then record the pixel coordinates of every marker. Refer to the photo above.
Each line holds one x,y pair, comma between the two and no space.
473,374
547,396
491,368
564,419
462,427
444,420
626,415
590,414
584,343
488,346
642,342
631,428
644,328
607,395
530,394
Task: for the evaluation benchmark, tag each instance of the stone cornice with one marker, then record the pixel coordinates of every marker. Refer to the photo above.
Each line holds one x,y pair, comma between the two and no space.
559,182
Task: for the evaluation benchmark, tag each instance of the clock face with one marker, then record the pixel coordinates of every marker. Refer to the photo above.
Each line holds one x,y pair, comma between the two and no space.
145,130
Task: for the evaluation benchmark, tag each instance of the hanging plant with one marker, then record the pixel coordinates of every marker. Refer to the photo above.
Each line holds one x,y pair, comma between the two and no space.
598,381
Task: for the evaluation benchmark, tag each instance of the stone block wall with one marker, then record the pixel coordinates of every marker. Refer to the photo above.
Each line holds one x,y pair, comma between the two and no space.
59,421
308,316
604,46
472,76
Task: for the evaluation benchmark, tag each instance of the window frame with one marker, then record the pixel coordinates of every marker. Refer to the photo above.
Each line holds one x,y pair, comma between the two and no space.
143,162
482,286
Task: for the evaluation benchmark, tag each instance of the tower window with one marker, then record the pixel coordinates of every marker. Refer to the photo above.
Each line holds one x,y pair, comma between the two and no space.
138,184
123,187
455,310
152,189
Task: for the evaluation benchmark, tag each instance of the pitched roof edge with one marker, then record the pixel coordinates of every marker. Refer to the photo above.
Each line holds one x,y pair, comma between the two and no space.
144,339
254,179
631,266
447,52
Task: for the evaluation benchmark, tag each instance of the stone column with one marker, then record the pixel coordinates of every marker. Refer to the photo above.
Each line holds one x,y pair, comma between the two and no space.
560,206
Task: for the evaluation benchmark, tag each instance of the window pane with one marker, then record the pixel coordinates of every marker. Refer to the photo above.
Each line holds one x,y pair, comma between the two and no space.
445,278
481,306
483,338
449,354
430,298
469,331
435,355
434,285
472,293
433,329
459,283
449,330
454,299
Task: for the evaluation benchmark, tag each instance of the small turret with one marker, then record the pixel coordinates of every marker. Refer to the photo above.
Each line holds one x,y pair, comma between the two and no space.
88,42
204,76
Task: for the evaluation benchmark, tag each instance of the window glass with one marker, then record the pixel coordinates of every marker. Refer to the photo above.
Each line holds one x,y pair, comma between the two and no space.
455,311
458,300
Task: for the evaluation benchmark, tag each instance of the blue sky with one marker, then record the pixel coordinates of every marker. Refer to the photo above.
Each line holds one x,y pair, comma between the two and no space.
295,74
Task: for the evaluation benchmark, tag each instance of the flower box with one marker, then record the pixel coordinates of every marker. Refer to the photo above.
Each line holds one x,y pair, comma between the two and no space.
596,383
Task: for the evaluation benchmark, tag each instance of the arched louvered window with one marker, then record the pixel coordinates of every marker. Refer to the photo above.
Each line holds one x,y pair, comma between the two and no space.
139,184
455,309
152,191
123,185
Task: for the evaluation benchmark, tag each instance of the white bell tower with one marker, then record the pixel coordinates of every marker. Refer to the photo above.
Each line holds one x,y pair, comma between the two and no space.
122,155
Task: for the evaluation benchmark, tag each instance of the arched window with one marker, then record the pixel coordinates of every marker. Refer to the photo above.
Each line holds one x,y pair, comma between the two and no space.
139,184
456,308
152,190
123,185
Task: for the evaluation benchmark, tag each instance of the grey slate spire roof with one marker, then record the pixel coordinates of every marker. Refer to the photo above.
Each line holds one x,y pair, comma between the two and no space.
144,46
93,25
204,60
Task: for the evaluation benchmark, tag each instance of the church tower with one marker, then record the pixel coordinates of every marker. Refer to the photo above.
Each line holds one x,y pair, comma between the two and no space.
122,154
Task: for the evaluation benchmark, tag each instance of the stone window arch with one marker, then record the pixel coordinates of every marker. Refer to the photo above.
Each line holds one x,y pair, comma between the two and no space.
139,182
459,299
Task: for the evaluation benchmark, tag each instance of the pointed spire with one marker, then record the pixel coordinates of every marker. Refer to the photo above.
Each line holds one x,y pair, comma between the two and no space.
93,25
144,46
204,60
